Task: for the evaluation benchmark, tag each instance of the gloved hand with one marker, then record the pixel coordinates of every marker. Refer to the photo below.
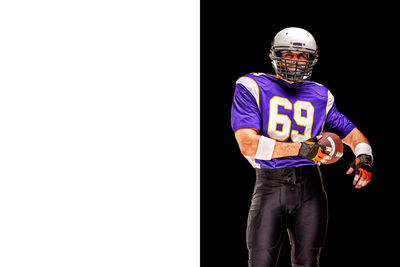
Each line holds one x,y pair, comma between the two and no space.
311,150
363,168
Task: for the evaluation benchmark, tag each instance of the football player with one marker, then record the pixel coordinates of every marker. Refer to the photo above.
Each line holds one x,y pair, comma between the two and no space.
277,120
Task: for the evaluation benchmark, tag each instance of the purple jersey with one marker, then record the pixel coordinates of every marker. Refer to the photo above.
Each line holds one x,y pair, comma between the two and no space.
285,112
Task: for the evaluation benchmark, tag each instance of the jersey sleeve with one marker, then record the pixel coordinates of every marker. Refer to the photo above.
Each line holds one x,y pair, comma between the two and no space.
337,123
245,112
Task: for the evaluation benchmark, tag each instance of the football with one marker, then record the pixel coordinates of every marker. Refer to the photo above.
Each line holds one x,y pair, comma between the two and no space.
332,140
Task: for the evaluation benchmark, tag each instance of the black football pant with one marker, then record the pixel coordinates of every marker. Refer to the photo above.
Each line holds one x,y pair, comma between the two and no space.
287,200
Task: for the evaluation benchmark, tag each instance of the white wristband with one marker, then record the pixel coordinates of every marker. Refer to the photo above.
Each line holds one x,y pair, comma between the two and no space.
265,148
363,148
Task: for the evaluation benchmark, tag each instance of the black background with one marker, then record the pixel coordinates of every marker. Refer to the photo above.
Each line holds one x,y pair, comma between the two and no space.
357,63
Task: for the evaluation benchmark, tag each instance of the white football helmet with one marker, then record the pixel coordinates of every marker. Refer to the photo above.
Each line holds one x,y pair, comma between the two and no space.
293,40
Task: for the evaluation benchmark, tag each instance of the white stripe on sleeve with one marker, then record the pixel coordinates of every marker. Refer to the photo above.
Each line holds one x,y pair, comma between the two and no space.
252,87
331,100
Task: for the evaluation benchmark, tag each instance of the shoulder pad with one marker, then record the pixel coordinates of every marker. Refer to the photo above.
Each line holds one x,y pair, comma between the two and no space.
319,89
317,83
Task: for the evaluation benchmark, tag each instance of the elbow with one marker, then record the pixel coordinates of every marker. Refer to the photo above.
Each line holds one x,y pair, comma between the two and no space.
248,142
247,151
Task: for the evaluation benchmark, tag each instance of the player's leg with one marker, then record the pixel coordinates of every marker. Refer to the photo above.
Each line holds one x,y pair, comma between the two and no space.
265,232
266,226
308,224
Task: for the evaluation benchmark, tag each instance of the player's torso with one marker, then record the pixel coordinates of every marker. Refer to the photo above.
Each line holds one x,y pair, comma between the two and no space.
289,112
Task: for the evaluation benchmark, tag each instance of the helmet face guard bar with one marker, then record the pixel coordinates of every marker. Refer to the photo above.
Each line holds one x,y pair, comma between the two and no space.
293,69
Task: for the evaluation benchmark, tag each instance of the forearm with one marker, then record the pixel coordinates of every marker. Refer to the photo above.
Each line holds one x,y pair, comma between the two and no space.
354,138
285,149
280,150
249,143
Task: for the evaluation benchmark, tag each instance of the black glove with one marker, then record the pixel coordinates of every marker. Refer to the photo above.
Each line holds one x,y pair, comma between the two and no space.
311,150
363,169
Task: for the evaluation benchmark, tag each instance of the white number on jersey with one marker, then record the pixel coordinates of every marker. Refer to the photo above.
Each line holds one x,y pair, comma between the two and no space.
279,125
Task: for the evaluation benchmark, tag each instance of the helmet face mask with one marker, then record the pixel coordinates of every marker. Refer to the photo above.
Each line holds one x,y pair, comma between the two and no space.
294,40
